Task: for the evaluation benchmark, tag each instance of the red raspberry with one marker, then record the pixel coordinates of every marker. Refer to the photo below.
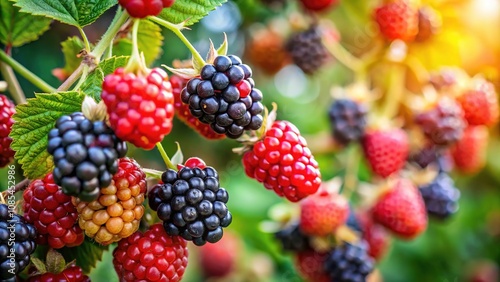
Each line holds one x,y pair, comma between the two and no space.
284,163
402,210
73,274
152,256
310,266
143,8
140,108
7,109
318,5
469,154
386,151
322,213
397,20
375,235
182,111
480,104
219,259
52,213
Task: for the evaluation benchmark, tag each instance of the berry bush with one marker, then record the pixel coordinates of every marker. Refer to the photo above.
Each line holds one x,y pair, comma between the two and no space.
267,140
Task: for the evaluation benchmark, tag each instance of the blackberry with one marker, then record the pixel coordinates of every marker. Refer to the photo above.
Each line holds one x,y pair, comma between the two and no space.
85,155
348,120
349,262
353,222
441,197
443,125
18,235
292,238
191,204
425,156
307,50
224,96
7,109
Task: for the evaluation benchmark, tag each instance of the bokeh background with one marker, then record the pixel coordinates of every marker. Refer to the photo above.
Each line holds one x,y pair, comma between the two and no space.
453,250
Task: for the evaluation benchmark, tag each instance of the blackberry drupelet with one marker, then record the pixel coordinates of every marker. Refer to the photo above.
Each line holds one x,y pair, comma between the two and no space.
191,204
307,50
224,96
292,239
24,243
7,109
441,197
348,120
85,155
349,262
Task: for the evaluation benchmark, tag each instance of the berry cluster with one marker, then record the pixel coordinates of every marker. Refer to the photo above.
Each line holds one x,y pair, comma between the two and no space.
52,213
152,256
349,262
7,109
140,108
224,97
22,246
191,204
117,212
307,50
85,154
73,274
283,162
143,8
348,120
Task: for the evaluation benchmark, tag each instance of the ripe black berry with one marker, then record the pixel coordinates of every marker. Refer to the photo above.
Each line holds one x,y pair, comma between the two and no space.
348,120
349,262
292,238
85,154
16,235
441,197
224,97
191,204
307,50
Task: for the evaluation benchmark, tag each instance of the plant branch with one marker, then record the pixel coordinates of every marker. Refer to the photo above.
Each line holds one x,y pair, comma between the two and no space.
19,186
176,29
395,91
24,72
12,83
351,171
85,39
152,173
120,18
72,78
165,157
343,56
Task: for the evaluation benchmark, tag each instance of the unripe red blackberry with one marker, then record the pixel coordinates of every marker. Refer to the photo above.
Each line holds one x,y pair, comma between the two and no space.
283,162
72,273
224,97
152,256
17,243
144,8
307,50
348,120
117,212
52,213
191,204
266,50
7,109
85,155
444,124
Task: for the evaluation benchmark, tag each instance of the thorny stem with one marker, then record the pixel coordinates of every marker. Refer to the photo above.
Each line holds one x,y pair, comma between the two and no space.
72,78
31,77
176,29
85,39
83,77
351,171
12,83
120,18
165,157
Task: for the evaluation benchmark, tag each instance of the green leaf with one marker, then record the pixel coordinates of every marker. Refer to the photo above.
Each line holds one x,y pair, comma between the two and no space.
178,157
71,47
39,265
33,121
18,28
86,255
55,262
150,42
73,12
189,11
93,84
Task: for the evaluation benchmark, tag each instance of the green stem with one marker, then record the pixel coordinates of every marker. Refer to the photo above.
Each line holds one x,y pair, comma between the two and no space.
176,29
72,78
344,56
24,72
152,173
135,63
12,83
84,75
395,91
85,39
107,38
351,171
165,157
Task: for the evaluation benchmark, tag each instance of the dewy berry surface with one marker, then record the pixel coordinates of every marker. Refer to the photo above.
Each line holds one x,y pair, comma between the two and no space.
152,256
117,212
283,162
52,213
224,97
140,107
7,109
85,155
